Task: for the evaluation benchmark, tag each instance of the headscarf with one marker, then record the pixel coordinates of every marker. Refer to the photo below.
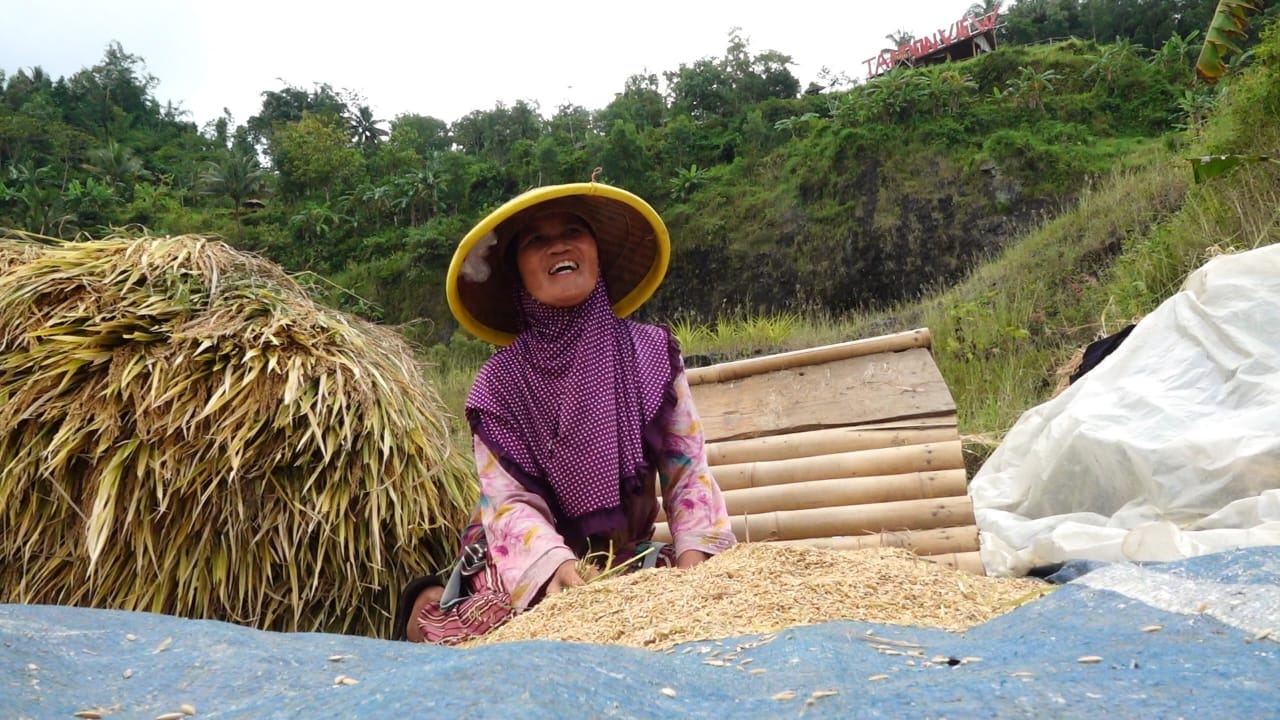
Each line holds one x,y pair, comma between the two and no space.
567,406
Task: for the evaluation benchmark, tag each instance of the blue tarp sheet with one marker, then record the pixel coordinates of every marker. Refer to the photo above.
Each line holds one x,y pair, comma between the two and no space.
1212,656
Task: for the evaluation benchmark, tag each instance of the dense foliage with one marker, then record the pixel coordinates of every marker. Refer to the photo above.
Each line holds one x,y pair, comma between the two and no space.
852,195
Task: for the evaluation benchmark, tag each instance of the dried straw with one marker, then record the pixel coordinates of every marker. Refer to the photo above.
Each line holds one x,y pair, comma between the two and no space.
1065,372
765,587
182,430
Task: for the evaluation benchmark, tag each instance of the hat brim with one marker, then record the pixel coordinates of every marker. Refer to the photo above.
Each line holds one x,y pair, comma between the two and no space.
631,240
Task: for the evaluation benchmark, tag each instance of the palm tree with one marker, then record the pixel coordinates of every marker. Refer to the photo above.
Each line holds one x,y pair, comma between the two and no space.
364,129
118,165
235,176
982,9
897,40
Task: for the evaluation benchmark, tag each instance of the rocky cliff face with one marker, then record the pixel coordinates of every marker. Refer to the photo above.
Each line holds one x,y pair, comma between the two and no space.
877,233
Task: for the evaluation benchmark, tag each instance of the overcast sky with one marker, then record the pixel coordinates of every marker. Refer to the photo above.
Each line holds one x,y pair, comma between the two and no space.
443,59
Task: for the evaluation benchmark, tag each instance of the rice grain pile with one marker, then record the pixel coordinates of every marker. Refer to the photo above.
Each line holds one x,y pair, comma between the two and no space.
184,431
765,587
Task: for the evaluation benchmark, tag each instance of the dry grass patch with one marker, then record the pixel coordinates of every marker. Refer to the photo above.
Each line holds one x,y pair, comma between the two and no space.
765,587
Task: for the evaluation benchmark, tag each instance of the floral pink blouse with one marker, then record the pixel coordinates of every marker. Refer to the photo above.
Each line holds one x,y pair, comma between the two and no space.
523,542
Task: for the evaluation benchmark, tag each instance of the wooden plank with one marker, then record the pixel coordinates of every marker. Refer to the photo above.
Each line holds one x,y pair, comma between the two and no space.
857,390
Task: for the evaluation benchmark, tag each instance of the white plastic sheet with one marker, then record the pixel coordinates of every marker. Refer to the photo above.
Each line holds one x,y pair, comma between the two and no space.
1168,448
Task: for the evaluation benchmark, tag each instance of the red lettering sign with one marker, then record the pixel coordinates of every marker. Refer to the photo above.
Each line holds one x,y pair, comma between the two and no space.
962,29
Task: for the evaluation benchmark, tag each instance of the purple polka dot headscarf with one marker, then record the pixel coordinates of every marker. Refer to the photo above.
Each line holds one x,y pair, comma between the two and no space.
568,405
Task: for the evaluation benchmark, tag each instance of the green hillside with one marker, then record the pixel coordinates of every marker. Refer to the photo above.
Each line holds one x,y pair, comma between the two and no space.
1019,204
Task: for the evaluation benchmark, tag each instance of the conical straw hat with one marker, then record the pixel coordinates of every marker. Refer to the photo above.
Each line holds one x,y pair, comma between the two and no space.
632,243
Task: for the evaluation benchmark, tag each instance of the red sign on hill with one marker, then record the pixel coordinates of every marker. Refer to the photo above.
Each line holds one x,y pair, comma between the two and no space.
965,38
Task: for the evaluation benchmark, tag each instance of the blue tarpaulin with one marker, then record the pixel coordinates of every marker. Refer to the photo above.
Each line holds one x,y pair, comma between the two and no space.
1191,638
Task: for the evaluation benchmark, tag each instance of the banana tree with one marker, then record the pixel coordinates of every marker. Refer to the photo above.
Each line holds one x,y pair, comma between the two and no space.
1230,25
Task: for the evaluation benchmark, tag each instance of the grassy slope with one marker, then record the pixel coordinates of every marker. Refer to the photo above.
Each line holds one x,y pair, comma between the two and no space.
1001,336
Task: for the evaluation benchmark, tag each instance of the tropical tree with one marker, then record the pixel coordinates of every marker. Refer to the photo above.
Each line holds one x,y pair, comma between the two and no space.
703,90
759,77
418,191
716,88
687,181
951,87
1229,26
853,107
365,130
89,202
1029,88
624,158
116,90
897,40
155,202
897,94
1114,60
281,108
491,134
316,157
795,122
26,85
40,207
982,9
1175,56
421,134
640,103
313,226
118,165
572,122
1194,106
238,177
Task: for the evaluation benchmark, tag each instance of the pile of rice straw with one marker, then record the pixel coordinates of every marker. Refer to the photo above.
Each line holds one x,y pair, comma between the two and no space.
765,587
184,431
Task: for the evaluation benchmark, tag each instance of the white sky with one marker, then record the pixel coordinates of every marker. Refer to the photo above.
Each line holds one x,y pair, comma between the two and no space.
443,59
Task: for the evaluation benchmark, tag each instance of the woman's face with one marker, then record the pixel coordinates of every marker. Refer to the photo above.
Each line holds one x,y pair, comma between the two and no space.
556,256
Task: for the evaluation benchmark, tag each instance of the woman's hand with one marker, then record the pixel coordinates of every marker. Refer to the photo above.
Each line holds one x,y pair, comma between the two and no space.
566,577
689,558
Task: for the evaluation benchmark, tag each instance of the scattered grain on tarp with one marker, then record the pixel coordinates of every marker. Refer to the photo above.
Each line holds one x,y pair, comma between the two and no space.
765,587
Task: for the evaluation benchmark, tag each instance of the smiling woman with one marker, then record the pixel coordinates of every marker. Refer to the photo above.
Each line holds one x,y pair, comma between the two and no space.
557,259
574,419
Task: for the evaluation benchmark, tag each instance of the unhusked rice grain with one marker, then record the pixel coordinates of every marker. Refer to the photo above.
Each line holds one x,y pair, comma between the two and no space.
765,587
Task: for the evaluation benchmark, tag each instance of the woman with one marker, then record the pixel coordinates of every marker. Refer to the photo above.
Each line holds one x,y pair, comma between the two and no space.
572,419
